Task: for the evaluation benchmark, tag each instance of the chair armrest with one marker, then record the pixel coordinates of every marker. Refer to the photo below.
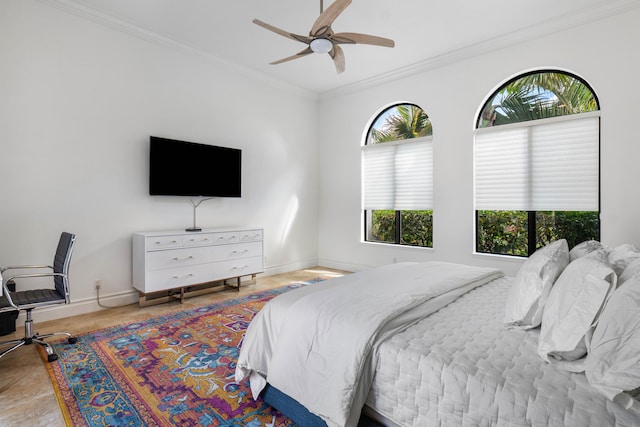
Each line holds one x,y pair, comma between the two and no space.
22,267
27,276
7,294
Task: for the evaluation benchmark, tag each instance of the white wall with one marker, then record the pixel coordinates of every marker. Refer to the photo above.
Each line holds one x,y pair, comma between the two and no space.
78,101
604,53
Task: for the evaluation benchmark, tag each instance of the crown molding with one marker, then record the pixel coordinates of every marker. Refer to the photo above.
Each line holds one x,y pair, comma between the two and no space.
602,11
76,8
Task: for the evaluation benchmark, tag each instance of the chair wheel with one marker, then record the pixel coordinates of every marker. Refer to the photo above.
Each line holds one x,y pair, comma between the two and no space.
72,340
52,357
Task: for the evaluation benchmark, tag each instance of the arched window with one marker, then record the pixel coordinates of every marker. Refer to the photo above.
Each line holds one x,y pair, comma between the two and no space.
537,164
397,178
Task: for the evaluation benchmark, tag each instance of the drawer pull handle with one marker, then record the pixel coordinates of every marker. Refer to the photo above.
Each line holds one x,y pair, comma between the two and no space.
240,268
183,259
185,277
240,252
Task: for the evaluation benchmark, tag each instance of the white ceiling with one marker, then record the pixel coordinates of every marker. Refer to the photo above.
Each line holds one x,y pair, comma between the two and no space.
425,32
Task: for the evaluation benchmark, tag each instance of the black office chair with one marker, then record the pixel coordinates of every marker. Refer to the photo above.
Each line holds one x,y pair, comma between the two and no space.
30,299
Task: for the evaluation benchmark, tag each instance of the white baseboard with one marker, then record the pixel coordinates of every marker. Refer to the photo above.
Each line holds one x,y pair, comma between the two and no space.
86,305
342,265
285,268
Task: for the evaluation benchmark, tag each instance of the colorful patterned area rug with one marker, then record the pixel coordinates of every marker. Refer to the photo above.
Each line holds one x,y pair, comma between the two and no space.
176,369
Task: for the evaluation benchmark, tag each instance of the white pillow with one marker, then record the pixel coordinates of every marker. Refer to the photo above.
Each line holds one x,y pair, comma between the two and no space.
572,309
631,270
599,255
584,248
532,284
612,365
621,256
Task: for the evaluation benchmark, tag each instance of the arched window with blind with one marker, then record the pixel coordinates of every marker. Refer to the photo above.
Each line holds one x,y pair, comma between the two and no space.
397,178
537,164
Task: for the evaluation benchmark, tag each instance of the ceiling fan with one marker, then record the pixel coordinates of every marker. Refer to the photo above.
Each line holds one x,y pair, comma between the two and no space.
322,39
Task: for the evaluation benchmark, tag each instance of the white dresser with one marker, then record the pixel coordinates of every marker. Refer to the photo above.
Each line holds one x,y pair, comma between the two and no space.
182,263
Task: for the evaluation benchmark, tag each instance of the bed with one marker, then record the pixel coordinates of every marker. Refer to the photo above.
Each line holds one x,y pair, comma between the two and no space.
448,362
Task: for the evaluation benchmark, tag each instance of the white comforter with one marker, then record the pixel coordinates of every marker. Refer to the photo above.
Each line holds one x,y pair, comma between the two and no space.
317,344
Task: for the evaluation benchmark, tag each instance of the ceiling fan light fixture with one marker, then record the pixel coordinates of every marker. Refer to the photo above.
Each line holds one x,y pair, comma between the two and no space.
321,45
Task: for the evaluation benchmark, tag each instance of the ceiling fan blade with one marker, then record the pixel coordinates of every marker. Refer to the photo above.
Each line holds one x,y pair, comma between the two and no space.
337,54
284,33
327,17
356,38
300,54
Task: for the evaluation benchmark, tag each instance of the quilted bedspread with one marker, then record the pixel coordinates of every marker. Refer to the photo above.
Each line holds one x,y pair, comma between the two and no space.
461,367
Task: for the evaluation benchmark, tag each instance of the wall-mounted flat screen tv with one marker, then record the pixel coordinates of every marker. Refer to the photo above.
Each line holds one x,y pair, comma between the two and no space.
181,168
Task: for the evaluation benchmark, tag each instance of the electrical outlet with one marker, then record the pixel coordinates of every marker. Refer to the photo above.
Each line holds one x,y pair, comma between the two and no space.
97,283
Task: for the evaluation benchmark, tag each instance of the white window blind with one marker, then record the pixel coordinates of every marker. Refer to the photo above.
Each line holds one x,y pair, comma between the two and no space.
542,165
398,175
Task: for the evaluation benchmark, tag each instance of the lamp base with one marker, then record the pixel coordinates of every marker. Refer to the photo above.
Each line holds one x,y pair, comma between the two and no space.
192,229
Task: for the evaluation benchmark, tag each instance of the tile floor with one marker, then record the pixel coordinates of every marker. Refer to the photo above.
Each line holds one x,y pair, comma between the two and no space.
26,394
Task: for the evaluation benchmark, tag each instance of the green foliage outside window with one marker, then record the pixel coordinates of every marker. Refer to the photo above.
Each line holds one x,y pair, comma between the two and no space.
506,232
538,96
383,226
576,227
416,227
502,232
401,122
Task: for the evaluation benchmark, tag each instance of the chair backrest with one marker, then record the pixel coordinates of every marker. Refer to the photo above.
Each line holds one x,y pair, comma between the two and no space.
61,263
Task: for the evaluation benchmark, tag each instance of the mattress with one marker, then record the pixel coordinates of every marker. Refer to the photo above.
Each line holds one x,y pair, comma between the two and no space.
460,366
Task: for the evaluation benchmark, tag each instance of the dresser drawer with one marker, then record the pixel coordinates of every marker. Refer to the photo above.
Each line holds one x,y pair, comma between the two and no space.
241,250
159,260
198,239
237,268
237,237
156,243
250,236
160,280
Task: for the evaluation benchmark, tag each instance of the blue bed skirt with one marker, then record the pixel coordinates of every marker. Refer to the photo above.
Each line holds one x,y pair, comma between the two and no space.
298,413
291,408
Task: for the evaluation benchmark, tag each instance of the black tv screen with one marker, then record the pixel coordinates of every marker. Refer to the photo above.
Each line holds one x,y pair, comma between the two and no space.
180,168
